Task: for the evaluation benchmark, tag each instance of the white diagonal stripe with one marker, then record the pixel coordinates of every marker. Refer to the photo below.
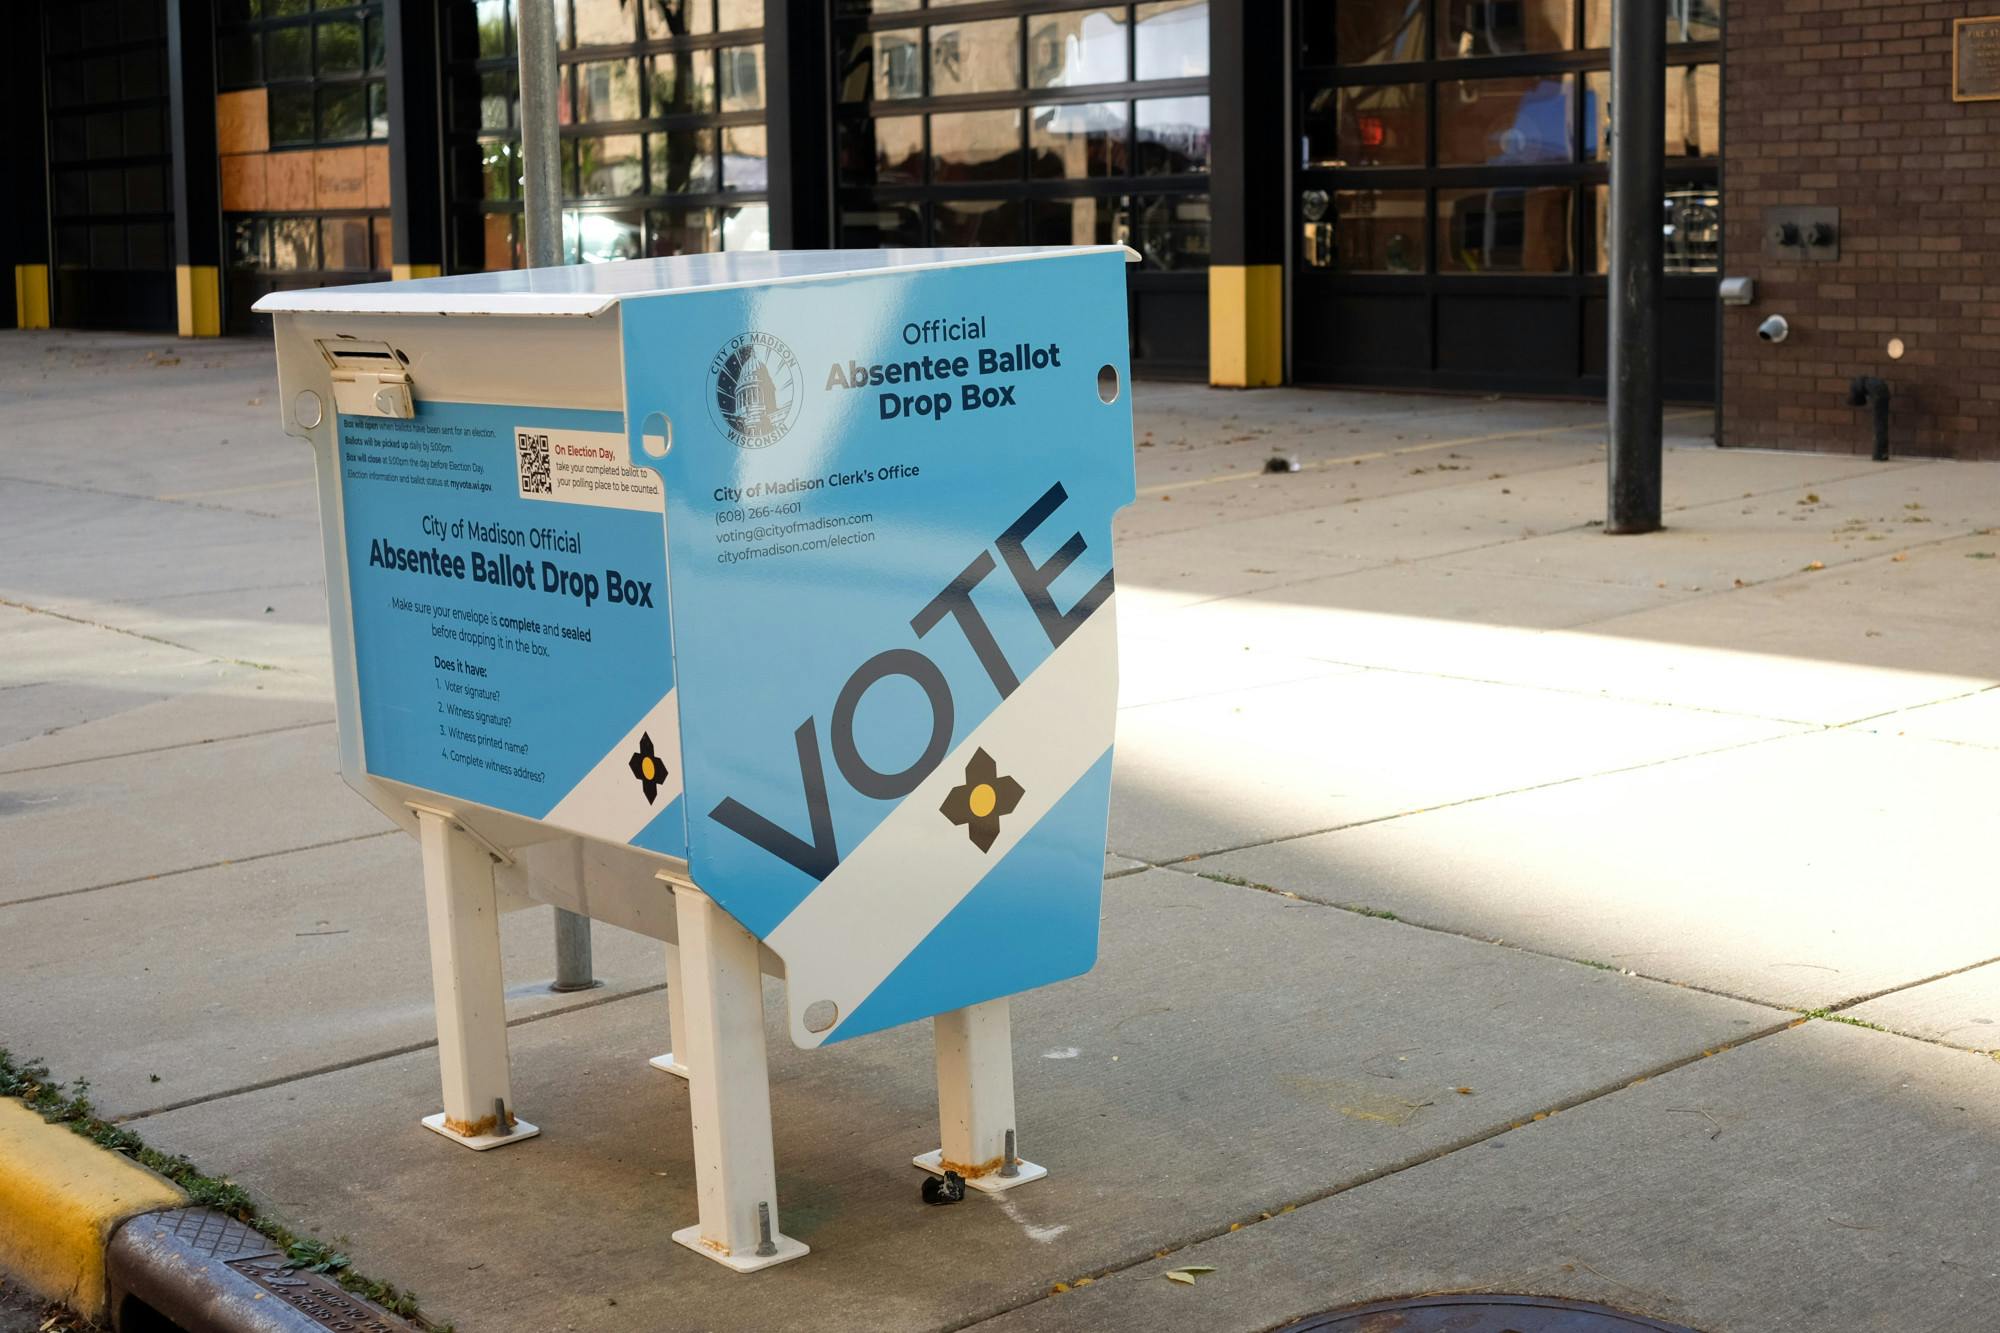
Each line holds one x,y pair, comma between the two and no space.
608,802
909,873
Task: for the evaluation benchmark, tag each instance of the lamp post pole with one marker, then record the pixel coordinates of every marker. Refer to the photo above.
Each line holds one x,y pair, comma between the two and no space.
1638,189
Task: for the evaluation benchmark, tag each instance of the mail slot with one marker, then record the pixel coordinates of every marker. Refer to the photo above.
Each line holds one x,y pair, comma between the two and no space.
759,603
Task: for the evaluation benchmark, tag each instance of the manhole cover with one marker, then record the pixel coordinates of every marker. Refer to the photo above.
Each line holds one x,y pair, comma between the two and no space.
1482,1314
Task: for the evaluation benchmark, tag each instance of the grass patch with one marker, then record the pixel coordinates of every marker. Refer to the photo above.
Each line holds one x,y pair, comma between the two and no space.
1829,1016
69,1104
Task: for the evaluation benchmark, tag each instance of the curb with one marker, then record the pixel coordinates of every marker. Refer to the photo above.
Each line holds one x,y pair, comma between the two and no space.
97,1232
61,1199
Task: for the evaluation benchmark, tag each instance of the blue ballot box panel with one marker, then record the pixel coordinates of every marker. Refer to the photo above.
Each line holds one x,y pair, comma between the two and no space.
889,503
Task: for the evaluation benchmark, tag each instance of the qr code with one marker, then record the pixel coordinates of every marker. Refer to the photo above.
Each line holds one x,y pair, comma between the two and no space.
533,450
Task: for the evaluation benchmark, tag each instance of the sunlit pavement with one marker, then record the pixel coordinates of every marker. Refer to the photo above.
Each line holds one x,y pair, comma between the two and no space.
1469,874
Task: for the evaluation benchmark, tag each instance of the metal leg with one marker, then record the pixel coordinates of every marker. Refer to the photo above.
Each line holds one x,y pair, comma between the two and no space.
470,992
672,1061
729,1091
975,1073
572,954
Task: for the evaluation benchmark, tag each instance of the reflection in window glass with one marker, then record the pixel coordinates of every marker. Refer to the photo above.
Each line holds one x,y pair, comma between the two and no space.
609,167
385,241
340,48
606,90
1363,32
239,60
496,99
1082,47
598,238
602,22
1170,231
1371,125
746,227
492,18
1363,231
500,170
1694,112
294,244
1173,136
734,14
343,112
1511,230
888,224
975,57
741,76
683,83
1687,21
976,222
899,150
287,53
501,239
1077,140
1505,121
678,18
680,231
683,161
344,244
1690,228
377,44
884,66
976,146
1504,27
247,243
1075,222
744,150
1172,40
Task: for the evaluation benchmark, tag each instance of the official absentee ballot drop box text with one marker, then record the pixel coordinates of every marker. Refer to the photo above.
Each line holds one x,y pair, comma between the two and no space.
758,603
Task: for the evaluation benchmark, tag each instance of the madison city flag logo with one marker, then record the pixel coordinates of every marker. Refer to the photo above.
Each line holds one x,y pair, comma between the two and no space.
646,767
980,801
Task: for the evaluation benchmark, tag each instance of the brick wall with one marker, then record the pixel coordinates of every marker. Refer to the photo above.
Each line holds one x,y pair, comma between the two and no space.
1840,102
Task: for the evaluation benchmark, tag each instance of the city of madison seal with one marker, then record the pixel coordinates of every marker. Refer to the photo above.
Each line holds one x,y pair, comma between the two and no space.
756,387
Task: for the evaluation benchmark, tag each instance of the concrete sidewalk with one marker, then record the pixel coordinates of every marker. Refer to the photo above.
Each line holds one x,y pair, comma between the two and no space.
1470,875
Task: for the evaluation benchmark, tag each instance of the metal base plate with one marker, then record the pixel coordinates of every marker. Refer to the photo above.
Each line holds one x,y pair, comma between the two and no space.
788,1249
1475,1313
666,1064
932,1162
480,1143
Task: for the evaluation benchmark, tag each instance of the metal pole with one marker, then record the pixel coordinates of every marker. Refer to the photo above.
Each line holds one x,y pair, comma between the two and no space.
541,147
1638,192
541,209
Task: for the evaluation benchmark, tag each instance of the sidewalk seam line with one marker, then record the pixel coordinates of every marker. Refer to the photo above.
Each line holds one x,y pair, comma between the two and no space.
162,749
211,865
136,634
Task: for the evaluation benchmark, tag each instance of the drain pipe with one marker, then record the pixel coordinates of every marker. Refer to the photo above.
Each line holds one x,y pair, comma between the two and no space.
1868,391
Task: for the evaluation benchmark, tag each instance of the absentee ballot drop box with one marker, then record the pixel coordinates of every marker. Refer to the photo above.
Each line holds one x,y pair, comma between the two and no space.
759,603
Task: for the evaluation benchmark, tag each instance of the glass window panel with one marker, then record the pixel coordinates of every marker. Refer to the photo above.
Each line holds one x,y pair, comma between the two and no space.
884,66
975,57
1510,230
1505,121
277,9
493,28
1690,225
734,14
145,190
1075,222
107,246
1171,231
72,192
239,59
1077,140
104,131
604,22
743,159
863,8
1363,231
680,231
294,244
288,52
1172,40
606,90
1173,136
885,151
247,239
144,74
343,112
1687,21
378,110
385,242
976,146
496,99
499,170
1694,112
143,131
889,224
1504,27
146,245
339,46
1363,32
344,244
678,18
740,77
1369,125
976,222
683,161
746,227
598,237
1081,47
290,112
501,241
107,191
683,83
376,43
100,82
610,166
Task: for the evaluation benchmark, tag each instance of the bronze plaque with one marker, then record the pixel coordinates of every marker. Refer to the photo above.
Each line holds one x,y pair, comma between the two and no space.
1975,59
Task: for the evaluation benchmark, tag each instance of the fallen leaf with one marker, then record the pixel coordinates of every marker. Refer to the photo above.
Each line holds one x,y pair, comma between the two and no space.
1900,556
1741,584
1979,555
1175,1275
1815,565
1463,1092
1059,1288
